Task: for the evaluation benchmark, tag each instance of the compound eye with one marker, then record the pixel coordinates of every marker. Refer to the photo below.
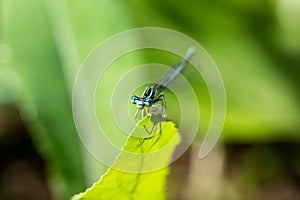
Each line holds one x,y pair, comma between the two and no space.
148,102
133,99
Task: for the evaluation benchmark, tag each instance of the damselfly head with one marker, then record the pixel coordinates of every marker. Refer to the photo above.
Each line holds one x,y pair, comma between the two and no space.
140,102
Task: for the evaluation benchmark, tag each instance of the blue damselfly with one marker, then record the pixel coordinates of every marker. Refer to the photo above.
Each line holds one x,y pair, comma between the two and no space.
153,93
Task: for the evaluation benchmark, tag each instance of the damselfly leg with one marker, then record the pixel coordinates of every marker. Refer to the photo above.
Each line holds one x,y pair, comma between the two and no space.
158,116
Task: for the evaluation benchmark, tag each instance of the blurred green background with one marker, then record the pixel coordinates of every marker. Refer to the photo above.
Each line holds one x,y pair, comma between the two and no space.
255,44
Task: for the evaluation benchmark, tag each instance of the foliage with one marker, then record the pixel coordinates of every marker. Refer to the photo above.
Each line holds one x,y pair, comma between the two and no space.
116,184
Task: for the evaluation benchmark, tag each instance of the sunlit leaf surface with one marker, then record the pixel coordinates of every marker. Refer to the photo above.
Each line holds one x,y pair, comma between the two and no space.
115,184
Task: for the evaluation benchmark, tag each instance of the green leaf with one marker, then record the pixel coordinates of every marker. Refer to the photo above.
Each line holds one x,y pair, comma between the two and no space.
147,156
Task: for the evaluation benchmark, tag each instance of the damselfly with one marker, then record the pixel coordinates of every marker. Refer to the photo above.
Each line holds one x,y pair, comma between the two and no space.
152,94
